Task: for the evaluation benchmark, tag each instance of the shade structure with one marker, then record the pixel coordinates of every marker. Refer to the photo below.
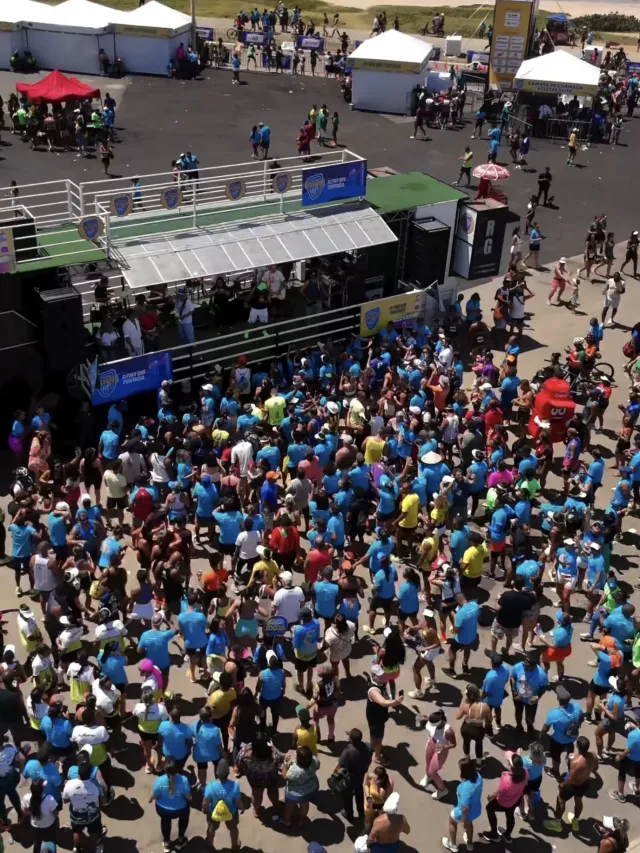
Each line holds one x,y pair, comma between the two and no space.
491,172
55,88
558,73
250,245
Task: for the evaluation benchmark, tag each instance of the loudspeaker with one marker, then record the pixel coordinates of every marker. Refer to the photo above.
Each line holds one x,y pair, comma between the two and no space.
63,333
427,252
24,235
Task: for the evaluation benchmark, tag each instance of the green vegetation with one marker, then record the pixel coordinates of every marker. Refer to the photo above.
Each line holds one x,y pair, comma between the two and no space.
610,23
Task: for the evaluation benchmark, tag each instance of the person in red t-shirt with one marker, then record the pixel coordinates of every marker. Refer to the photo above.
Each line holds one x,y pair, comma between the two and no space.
318,558
141,505
285,541
492,416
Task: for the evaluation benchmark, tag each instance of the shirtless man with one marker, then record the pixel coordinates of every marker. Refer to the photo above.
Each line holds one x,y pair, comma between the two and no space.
388,827
523,403
560,280
582,763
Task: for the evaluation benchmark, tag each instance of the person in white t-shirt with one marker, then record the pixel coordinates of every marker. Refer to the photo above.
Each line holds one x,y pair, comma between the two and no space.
132,334
109,629
246,553
288,601
184,317
83,795
242,456
42,810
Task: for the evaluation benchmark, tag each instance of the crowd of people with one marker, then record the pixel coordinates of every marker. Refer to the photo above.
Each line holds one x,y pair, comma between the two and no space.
343,496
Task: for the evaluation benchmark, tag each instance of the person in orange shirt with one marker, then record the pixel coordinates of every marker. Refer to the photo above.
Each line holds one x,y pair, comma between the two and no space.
212,579
440,393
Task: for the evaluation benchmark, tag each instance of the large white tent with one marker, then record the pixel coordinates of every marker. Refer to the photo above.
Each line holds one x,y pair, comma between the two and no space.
69,36
385,70
558,73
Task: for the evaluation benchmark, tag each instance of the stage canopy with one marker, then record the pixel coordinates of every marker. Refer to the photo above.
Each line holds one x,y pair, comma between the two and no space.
391,51
558,73
55,87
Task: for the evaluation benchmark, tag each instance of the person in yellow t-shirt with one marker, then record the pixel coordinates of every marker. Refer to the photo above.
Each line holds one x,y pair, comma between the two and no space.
472,562
374,447
408,519
265,570
276,407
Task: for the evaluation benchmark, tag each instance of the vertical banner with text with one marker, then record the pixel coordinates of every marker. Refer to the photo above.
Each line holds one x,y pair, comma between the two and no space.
512,29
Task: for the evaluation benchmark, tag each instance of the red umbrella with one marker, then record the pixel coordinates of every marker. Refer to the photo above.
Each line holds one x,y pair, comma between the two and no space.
491,172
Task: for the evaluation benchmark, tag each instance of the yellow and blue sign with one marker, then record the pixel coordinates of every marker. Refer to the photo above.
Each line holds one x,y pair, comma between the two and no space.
131,376
235,190
171,198
122,204
282,183
332,183
90,228
375,315
276,626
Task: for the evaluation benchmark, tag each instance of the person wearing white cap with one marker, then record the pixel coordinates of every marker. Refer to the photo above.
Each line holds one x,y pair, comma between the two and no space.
288,600
270,688
388,827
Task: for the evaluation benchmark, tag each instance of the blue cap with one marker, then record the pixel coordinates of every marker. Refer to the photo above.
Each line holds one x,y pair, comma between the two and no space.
314,847
205,480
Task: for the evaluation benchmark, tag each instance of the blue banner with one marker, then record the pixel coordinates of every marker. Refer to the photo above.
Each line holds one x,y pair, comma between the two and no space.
311,43
131,376
335,182
206,33
633,68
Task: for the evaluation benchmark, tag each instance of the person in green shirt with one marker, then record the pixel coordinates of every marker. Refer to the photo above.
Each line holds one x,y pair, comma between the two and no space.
321,125
529,484
251,56
22,117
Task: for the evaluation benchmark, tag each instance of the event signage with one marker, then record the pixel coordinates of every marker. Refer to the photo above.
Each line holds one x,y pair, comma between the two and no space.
282,183
375,315
311,43
258,39
131,376
333,183
633,68
549,87
235,190
122,205
90,228
512,23
171,198
275,626
361,63
206,33
7,251
143,32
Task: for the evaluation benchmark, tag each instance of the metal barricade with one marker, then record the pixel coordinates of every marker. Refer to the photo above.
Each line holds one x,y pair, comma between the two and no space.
559,130
516,124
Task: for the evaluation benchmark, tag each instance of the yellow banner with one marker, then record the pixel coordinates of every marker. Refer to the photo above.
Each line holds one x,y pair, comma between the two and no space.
7,251
144,32
375,315
5,27
512,24
386,65
546,87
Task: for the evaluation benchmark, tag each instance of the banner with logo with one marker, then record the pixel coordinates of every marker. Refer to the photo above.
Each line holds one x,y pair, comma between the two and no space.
375,315
281,183
206,33
512,29
258,39
143,32
122,204
235,190
90,228
130,376
332,183
361,63
633,68
171,198
311,43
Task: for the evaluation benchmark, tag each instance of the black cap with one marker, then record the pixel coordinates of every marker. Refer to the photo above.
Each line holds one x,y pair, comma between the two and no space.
305,613
494,657
562,694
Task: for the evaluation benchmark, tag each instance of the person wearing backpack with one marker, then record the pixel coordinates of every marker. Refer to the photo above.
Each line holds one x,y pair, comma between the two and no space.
172,793
222,803
564,722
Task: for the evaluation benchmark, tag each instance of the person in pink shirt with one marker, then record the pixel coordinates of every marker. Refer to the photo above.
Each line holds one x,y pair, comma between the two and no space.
501,477
312,468
510,790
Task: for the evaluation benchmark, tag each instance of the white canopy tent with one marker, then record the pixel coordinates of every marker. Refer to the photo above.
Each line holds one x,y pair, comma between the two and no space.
69,36
558,73
385,70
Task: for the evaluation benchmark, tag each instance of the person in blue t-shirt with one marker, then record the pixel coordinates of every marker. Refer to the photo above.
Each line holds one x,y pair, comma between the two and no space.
612,719
154,644
629,763
23,539
206,497
176,738
468,806
493,686
466,634
109,445
409,599
564,723
270,688
172,793
223,789
207,744
498,529
193,627
325,596
528,682
384,582
229,521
